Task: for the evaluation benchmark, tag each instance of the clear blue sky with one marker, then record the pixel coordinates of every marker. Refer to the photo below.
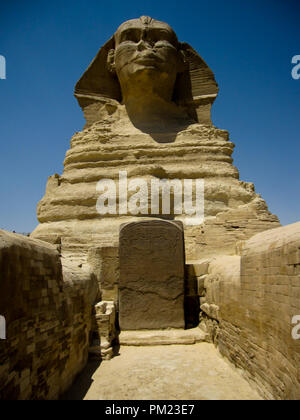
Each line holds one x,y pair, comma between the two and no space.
249,45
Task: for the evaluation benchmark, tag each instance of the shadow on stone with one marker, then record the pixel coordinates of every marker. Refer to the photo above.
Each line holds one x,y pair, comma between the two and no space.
82,383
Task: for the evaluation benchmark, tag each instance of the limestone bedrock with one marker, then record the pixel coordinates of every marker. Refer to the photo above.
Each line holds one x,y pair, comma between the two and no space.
147,102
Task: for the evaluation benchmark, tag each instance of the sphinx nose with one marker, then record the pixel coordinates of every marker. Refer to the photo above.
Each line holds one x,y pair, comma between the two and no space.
143,45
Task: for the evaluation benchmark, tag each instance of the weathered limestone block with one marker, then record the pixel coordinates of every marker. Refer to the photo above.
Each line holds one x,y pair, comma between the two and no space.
106,326
211,310
199,268
151,289
196,275
104,261
162,337
201,285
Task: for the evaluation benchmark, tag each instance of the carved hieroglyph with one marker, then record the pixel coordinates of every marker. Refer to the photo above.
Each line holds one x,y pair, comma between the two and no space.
151,288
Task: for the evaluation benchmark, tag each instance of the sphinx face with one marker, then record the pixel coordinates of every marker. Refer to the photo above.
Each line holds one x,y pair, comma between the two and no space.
150,50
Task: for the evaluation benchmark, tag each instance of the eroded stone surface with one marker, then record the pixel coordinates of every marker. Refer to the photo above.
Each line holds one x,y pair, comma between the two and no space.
153,125
105,263
105,329
151,288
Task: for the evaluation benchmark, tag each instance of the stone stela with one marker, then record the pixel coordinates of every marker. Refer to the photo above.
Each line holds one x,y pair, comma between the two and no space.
151,288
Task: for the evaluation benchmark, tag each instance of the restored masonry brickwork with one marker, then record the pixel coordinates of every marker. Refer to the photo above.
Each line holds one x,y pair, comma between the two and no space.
48,319
253,312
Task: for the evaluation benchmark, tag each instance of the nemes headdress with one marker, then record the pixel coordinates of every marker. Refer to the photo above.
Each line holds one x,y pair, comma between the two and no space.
195,88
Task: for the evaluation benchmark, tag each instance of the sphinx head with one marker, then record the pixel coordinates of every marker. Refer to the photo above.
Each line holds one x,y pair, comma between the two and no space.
145,59
147,56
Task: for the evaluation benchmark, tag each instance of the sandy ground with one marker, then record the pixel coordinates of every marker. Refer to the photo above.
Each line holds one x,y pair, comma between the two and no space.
175,372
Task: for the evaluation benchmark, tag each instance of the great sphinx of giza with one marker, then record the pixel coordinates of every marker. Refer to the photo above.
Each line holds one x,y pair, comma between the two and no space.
147,102
87,279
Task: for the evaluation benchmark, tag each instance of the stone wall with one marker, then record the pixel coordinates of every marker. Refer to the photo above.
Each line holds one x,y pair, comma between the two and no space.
249,305
47,306
104,263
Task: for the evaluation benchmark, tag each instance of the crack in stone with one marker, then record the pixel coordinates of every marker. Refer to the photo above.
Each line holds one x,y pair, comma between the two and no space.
148,292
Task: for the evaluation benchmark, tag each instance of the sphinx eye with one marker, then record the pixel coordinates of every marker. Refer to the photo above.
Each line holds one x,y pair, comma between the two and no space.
130,35
163,36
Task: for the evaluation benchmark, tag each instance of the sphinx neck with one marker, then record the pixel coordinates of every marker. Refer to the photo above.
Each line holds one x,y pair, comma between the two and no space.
151,110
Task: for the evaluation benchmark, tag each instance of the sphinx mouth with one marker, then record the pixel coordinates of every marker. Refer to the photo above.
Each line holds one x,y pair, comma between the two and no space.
147,59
